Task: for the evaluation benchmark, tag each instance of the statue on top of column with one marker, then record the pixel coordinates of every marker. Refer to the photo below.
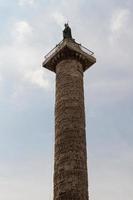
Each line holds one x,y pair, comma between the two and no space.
67,32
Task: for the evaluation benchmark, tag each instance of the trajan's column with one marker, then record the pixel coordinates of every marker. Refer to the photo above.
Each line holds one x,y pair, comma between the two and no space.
69,60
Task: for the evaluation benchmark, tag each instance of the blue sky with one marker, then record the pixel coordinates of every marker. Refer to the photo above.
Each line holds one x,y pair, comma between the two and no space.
30,29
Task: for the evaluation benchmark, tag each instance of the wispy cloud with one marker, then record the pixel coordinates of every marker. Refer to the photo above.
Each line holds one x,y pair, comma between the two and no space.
59,18
26,2
119,20
120,25
37,78
23,60
22,31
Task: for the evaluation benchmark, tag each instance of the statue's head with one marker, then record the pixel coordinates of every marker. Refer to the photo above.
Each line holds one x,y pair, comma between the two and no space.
66,25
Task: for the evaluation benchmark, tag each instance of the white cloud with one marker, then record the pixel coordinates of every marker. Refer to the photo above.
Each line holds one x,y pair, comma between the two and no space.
22,30
22,69
119,20
120,36
59,18
26,2
23,88
120,26
37,78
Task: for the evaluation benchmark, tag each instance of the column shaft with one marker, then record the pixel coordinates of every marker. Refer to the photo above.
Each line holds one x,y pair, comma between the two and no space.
70,166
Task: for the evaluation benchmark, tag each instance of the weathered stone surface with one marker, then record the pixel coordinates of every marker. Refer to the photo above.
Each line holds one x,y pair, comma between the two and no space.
70,167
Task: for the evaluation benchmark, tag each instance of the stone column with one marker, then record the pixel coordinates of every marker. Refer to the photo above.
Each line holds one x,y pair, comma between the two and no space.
70,167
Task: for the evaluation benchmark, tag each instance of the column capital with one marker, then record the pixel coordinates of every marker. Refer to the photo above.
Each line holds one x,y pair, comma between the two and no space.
69,49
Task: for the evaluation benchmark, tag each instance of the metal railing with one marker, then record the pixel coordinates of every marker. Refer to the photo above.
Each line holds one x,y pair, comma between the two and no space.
53,50
57,46
86,50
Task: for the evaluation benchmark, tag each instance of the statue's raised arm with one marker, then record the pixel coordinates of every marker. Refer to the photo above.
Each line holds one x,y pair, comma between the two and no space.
67,32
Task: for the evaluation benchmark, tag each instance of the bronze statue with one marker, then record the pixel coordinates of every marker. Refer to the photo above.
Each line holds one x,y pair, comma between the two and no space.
67,32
